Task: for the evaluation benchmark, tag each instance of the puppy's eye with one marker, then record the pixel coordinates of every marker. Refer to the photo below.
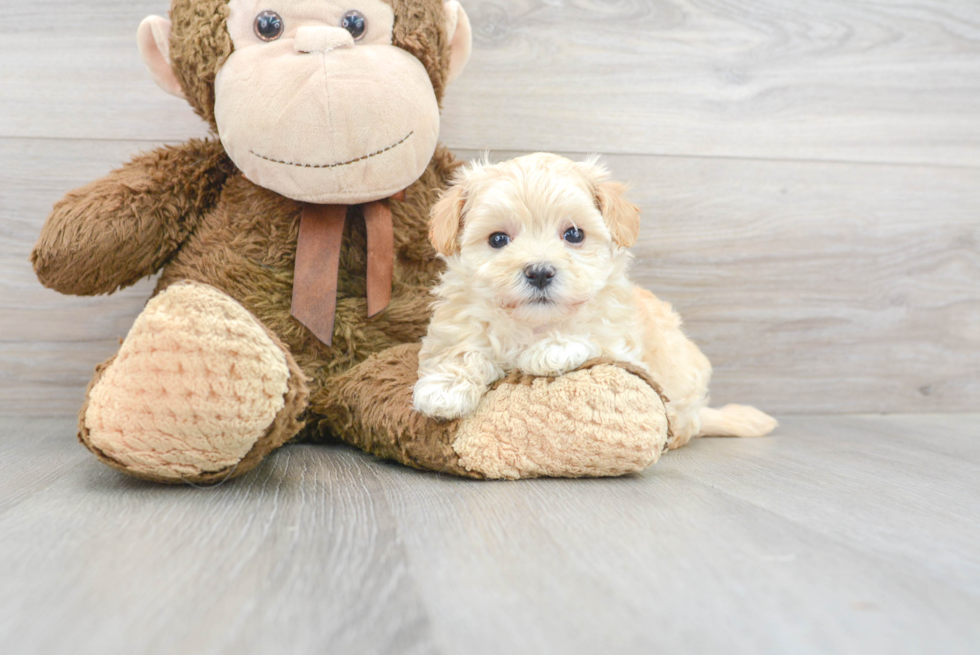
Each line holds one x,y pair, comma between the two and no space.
574,235
355,23
499,240
268,26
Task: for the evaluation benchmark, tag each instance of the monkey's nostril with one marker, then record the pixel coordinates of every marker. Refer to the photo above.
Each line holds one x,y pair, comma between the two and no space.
539,276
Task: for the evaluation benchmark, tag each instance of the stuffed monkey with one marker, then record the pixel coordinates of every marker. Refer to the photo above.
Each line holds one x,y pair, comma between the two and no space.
294,264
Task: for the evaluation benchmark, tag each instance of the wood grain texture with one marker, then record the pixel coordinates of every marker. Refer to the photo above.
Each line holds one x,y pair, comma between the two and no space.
847,534
812,287
828,79
73,71
299,560
50,343
819,287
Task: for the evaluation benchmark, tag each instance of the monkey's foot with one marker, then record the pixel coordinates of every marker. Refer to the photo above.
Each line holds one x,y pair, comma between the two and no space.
199,392
605,419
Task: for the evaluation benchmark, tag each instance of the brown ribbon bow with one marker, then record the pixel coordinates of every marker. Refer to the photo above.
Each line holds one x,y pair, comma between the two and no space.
321,233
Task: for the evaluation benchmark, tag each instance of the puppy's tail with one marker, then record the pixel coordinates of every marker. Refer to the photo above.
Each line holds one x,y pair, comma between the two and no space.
735,421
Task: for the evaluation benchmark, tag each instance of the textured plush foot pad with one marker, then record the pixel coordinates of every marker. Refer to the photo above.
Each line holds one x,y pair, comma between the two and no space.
606,419
600,421
197,386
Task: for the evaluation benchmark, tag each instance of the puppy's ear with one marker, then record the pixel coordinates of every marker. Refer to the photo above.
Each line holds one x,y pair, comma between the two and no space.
446,220
622,216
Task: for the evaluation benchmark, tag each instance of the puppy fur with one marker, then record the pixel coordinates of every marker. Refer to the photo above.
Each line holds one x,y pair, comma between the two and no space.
541,303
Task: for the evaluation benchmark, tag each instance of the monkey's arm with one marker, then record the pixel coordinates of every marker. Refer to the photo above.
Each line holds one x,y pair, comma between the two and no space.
111,233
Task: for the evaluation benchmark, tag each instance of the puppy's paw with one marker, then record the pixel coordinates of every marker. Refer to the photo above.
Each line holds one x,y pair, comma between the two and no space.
447,397
557,356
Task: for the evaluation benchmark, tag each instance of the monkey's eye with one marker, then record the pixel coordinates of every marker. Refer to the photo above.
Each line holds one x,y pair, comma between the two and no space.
499,240
268,26
355,23
574,235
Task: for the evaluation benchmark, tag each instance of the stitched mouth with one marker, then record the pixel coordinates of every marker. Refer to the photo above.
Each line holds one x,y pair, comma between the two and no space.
338,164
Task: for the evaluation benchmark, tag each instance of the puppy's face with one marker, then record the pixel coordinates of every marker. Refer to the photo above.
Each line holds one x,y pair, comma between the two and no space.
537,236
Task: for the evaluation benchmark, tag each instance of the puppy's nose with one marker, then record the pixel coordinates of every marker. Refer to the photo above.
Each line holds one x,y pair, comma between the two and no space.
539,276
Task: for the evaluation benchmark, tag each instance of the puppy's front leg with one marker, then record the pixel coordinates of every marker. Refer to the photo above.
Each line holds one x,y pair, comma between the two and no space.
452,386
557,355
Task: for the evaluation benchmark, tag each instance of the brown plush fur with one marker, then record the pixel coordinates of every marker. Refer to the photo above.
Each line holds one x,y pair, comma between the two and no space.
373,404
416,31
112,232
189,213
247,248
245,245
200,44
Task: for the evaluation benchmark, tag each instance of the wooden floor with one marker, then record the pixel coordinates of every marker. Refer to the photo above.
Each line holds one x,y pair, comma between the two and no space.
837,535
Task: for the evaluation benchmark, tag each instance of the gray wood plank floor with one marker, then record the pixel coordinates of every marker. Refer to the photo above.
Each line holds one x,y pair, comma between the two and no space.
843,534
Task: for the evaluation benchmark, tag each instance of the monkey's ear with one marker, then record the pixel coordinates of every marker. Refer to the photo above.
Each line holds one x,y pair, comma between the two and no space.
460,38
446,220
622,216
153,37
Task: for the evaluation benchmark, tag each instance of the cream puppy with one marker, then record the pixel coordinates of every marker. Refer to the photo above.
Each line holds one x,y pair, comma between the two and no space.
536,280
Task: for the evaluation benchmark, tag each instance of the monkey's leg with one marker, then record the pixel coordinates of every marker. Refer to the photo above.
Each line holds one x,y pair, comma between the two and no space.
605,419
199,392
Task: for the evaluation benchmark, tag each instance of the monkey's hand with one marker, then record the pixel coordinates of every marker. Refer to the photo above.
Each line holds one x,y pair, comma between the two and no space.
111,233
557,355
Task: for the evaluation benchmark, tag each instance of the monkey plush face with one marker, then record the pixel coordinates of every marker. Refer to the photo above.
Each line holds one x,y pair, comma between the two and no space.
316,100
316,104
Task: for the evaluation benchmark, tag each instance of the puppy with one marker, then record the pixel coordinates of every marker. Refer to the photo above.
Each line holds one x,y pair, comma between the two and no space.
536,280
